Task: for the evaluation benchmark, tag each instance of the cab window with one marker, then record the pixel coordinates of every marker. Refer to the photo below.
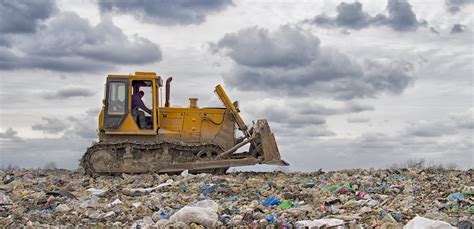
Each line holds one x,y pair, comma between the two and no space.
116,101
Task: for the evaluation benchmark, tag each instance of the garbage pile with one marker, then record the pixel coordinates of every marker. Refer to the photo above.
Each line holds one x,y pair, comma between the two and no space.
341,199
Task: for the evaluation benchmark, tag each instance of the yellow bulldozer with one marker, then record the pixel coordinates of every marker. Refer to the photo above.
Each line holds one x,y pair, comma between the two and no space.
172,139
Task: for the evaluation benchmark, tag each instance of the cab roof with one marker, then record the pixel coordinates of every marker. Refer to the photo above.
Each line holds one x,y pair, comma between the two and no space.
144,75
139,75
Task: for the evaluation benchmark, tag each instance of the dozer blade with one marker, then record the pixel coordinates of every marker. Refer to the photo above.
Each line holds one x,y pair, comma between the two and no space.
271,154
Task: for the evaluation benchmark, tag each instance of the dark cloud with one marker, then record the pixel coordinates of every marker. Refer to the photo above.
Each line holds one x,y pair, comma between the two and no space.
52,126
178,12
23,16
8,60
70,44
272,67
4,41
458,28
253,47
454,6
10,134
68,93
351,15
401,17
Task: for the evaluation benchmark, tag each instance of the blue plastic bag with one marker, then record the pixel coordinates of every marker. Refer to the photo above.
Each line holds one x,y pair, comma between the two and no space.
456,196
271,201
271,218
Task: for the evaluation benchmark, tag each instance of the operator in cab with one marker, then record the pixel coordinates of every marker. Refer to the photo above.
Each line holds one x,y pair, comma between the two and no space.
138,104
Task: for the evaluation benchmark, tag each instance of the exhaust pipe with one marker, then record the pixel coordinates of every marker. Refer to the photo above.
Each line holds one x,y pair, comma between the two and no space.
167,101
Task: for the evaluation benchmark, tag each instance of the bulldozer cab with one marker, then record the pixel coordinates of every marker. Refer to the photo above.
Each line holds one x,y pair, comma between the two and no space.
121,113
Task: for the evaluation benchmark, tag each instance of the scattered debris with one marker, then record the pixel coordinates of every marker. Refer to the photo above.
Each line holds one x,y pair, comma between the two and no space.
4,200
381,199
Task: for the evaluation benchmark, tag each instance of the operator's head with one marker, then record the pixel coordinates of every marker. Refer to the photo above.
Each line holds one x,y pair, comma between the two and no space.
141,94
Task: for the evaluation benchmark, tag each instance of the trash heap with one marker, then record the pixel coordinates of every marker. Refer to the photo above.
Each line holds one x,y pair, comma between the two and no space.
341,199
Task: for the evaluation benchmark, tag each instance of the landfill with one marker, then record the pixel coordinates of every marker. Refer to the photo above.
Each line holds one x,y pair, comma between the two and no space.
356,198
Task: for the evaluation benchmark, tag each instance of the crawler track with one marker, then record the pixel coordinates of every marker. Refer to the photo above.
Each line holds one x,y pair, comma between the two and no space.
133,157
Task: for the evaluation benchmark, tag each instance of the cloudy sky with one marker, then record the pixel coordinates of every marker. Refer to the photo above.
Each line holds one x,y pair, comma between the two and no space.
343,84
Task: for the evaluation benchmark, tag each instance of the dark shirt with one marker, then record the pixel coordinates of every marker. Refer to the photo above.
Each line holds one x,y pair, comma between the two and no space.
138,103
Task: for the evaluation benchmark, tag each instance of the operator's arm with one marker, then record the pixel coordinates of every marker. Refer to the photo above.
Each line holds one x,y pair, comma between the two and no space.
143,107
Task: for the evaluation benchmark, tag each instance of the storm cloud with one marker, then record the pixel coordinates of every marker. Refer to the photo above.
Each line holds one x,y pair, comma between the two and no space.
351,15
265,61
23,16
70,44
68,93
179,12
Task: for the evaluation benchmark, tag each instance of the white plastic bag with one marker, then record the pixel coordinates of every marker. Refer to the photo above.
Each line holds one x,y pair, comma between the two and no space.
339,224
96,192
424,223
203,212
63,208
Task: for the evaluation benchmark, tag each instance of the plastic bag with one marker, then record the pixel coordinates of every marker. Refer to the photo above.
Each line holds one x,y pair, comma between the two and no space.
337,223
456,196
203,212
271,201
424,223
286,204
96,192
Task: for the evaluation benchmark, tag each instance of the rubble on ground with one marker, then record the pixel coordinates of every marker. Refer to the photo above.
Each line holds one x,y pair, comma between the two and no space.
343,199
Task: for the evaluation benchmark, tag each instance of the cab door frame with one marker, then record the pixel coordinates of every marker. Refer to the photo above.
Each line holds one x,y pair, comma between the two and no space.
113,121
154,109
126,125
